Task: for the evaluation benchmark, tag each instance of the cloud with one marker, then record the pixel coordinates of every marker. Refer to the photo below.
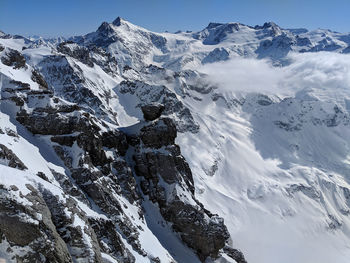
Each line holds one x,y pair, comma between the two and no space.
245,75
321,75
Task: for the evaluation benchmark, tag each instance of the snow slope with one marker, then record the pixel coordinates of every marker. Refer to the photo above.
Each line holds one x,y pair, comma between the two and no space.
263,115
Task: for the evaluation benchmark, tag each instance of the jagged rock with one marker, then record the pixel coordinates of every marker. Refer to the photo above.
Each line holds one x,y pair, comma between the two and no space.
74,228
151,94
69,187
98,161
10,158
75,51
218,54
92,144
64,140
64,155
37,236
307,190
125,179
236,254
22,85
51,122
115,139
103,192
60,109
110,241
169,164
13,58
152,112
11,133
203,232
206,235
160,133
36,77
74,87
43,176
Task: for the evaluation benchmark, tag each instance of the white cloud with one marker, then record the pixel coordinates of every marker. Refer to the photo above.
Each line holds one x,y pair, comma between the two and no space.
244,74
324,75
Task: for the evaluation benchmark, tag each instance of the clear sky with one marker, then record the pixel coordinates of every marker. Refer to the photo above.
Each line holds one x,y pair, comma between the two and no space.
75,17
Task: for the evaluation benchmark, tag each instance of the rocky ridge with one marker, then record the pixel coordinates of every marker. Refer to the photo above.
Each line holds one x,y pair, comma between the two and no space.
109,118
106,169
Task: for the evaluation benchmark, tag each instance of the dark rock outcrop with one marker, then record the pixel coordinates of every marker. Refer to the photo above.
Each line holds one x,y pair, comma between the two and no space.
236,254
13,58
103,163
13,161
160,133
110,241
38,234
74,228
166,173
75,51
115,139
152,111
38,78
159,94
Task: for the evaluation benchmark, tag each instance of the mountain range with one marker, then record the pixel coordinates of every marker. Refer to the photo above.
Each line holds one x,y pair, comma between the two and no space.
230,144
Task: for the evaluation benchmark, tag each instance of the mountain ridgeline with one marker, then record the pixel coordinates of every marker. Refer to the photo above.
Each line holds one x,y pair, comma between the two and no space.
115,147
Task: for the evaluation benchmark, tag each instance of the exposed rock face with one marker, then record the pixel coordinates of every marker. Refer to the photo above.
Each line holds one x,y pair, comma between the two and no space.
110,241
58,71
75,51
89,84
235,254
152,112
13,58
36,77
203,232
94,208
10,158
166,176
115,139
167,180
160,133
33,228
74,235
156,94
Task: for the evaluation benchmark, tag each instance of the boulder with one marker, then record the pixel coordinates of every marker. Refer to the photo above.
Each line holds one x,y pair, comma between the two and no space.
152,111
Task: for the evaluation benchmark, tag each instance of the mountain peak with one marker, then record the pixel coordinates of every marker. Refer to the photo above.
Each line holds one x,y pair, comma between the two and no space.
269,24
105,27
213,24
118,21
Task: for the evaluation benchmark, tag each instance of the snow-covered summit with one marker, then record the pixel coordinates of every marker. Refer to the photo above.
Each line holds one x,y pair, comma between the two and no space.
239,152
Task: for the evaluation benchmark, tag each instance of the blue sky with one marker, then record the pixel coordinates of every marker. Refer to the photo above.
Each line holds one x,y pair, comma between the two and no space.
74,17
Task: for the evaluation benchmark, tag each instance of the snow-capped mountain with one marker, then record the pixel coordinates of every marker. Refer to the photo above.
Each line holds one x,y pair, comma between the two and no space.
225,145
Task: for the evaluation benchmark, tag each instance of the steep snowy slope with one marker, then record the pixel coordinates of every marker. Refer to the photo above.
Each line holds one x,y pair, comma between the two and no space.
136,143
